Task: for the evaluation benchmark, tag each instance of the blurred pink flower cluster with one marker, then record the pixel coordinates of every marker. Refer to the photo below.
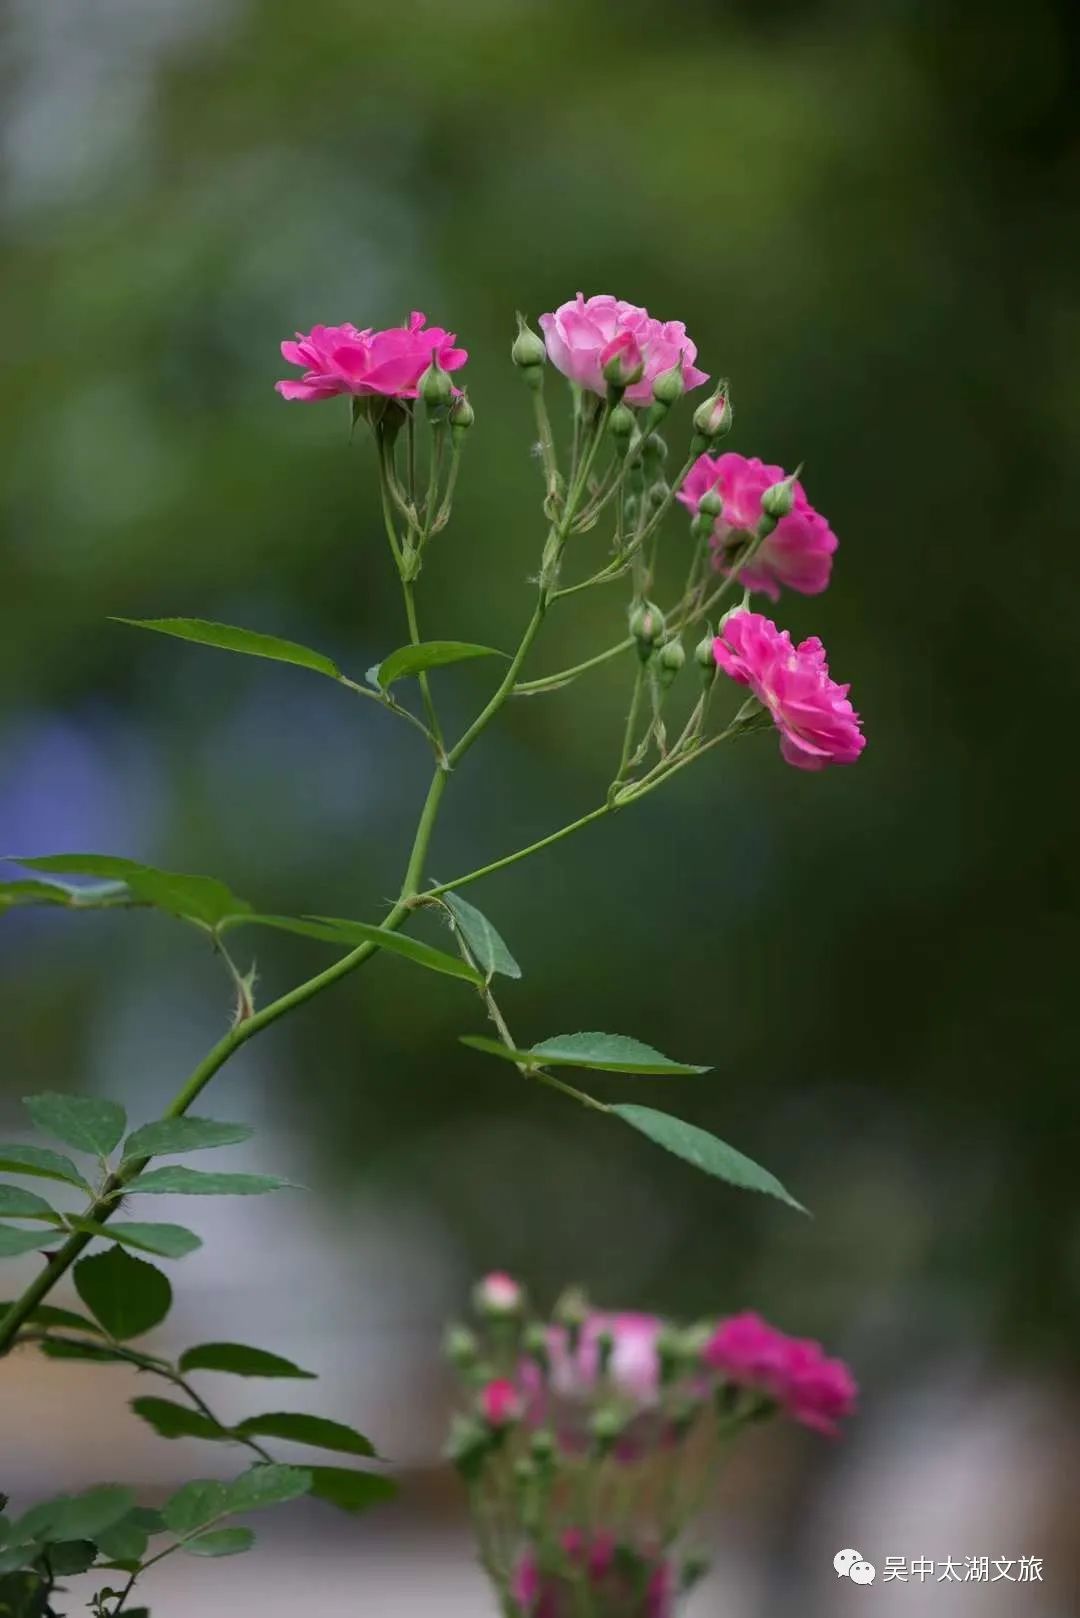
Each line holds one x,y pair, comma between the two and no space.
597,1418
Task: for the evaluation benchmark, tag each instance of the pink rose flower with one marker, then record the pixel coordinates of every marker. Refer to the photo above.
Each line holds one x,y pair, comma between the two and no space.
581,338
633,1370
499,1294
797,554
817,724
340,359
816,1390
501,1403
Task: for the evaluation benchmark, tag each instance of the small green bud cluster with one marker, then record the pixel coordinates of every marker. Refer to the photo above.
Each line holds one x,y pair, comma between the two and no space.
529,354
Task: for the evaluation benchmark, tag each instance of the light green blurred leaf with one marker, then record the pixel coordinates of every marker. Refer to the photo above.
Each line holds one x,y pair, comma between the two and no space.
227,638
14,1242
15,1203
194,898
604,1053
704,1151
170,1241
268,1484
350,1490
200,1502
88,1123
169,1137
178,1180
41,1163
484,943
430,654
220,1542
80,1516
47,1314
338,930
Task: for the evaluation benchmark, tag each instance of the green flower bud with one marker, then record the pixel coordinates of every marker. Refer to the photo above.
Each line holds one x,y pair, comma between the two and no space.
713,417
646,626
669,661
659,492
527,351
435,386
705,657
711,503
621,422
460,1347
461,418
668,387
606,1424
542,1445
779,499
654,451
701,526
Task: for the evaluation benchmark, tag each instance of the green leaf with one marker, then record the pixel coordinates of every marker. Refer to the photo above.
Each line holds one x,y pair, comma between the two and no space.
126,1540
196,898
171,1420
301,1429
604,1053
32,893
704,1151
71,1556
268,1484
127,1295
351,1491
195,1505
79,1516
170,1137
13,1242
15,1203
85,1122
239,1360
46,1314
484,943
22,1594
220,1542
176,1180
96,1353
430,654
227,638
337,930
42,1164
170,1241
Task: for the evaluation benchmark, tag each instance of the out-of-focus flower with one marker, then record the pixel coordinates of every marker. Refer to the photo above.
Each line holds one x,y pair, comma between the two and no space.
501,1402
620,1349
619,1581
797,555
795,1372
498,1294
580,336
816,721
341,359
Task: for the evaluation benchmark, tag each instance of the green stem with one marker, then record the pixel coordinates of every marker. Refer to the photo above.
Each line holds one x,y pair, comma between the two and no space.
550,682
547,443
631,726
521,854
425,689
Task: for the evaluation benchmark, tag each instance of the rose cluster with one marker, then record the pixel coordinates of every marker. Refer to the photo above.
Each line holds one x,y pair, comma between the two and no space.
588,1441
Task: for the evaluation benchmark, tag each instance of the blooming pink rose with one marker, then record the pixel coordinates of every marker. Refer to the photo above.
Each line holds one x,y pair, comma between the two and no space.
817,724
340,359
634,1367
501,1403
796,1372
797,554
580,338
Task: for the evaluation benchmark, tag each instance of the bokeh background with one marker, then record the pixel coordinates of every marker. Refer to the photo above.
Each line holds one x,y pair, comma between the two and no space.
867,216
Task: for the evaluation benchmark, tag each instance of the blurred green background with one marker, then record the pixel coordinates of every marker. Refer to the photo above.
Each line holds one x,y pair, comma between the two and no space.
866,215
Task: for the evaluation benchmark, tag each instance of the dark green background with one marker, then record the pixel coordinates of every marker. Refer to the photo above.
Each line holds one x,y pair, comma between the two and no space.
867,217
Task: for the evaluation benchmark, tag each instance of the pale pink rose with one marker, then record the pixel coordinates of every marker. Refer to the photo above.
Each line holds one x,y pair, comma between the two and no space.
633,1370
817,724
796,1372
501,1403
499,1294
797,554
340,359
580,334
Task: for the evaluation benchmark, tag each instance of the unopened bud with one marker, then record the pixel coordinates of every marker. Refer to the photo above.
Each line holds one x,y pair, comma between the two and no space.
670,660
646,626
498,1295
435,386
711,503
500,1403
668,387
654,451
468,1446
572,1311
714,416
622,362
621,421
460,1347
461,417
605,1425
778,500
528,352
701,526
658,493
542,1445
705,658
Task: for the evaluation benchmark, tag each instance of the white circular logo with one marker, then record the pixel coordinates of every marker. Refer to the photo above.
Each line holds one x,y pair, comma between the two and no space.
844,1561
862,1572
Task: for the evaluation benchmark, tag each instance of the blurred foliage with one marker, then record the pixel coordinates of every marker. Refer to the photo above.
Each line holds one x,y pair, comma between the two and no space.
867,216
